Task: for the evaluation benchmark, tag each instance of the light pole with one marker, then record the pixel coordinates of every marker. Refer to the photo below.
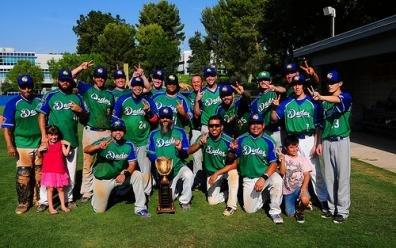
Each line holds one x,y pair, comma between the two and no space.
330,11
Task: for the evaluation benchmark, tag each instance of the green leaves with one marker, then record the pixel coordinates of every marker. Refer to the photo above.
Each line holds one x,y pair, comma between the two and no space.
26,67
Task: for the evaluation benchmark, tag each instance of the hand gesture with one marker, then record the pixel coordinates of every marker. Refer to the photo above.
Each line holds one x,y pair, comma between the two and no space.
276,101
315,95
103,144
280,155
138,72
180,108
203,139
199,96
85,65
234,145
42,148
146,106
307,69
178,144
75,107
238,88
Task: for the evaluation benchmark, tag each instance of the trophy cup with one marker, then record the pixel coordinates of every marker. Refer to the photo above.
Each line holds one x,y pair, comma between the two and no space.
165,200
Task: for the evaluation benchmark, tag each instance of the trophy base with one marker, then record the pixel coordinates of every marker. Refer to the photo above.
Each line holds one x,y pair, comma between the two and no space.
166,210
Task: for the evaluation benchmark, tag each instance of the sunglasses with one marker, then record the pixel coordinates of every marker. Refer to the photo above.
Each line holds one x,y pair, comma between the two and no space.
214,125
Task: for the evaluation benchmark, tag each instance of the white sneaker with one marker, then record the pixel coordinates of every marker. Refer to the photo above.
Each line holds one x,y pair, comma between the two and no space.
277,218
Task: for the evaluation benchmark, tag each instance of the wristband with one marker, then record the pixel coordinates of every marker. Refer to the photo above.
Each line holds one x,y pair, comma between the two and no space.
127,173
265,177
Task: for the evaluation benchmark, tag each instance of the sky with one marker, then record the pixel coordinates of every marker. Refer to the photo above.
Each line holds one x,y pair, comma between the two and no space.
45,26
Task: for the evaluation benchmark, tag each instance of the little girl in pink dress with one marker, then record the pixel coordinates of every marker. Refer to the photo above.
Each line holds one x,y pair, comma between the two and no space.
54,171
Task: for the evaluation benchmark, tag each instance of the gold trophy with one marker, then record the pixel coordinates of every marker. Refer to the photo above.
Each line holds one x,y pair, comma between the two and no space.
165,201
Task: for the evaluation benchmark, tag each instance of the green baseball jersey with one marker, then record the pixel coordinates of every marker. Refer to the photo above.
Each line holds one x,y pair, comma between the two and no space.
235,123
190,96
100,105
262,106
215,152
130,110
209,103
301,116
117,92
255,154
164,100
336,117
163,145
21,117
55,105
113,159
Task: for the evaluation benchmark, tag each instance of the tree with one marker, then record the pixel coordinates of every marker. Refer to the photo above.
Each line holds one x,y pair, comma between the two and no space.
200,57
71,60
88,29
26,67
155,49
117,43
233,29
167,16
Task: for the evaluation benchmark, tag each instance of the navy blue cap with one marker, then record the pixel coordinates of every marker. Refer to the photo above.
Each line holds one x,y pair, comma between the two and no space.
118,74
172,79
255,118
333,77
25,80
165,112
65,75
100,72
137,81
299,79
158,74
291,67
226,90
209,72
118,125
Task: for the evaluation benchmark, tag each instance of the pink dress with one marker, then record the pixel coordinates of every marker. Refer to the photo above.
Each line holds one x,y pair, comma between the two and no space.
54,172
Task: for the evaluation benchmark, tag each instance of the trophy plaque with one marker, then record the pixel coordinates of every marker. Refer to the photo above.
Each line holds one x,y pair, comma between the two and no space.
165,200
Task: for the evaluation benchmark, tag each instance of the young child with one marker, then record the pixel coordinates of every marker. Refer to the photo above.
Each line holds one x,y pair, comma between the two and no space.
295,170
54,172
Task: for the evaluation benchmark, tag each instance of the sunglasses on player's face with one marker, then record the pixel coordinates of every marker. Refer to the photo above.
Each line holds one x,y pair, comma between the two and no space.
214,125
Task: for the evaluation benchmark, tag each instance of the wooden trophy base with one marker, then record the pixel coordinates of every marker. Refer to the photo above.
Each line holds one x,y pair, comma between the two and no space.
165,201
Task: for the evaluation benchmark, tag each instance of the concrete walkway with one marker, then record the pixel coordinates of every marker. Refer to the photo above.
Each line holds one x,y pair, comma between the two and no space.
374,149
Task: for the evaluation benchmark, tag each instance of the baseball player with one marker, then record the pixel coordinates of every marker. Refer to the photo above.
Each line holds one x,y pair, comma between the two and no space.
158,78
175,100
139,113
171,142
219,165
99,103
292,70
335,146
22,136
257,166
302,117
62,108
120,88
116,165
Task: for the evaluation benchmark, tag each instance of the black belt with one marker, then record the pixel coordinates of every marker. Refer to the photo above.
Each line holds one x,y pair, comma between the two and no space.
96,129
335,138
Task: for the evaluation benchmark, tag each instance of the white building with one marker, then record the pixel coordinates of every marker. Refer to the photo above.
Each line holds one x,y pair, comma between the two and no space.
183,61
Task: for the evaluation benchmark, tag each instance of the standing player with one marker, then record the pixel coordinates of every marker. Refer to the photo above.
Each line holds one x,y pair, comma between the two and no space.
302,116
139,113
293,70
172,142
22,137
336,146
120,88
257,166
219,165
158,78
63,108
99,103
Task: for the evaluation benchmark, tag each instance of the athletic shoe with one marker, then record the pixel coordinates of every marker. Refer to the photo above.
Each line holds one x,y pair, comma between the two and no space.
143,213
338,219
309,206
21,208
85,199
229,211
72,205
326,214
300,217
185,206
277,218
41,208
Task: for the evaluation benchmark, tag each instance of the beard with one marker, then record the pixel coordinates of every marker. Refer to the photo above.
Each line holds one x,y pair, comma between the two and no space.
165,128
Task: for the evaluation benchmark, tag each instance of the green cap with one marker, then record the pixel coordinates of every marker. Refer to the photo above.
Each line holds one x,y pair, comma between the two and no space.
263,75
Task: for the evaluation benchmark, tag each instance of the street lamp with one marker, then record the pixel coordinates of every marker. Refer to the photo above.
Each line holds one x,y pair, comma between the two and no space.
330,11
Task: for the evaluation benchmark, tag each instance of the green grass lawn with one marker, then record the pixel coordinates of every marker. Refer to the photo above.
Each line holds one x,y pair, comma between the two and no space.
371,224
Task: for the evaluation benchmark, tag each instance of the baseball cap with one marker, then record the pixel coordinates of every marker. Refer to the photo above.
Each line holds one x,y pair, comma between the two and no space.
65,75
118,74
165,112
333,77
210,72
159,74
25,80
263,75
226,90
172,79
255,118
118,125
291,68
100,72
299,79
137,81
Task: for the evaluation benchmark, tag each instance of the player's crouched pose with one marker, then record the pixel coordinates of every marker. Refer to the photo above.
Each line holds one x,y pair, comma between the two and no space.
116,165
257,165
